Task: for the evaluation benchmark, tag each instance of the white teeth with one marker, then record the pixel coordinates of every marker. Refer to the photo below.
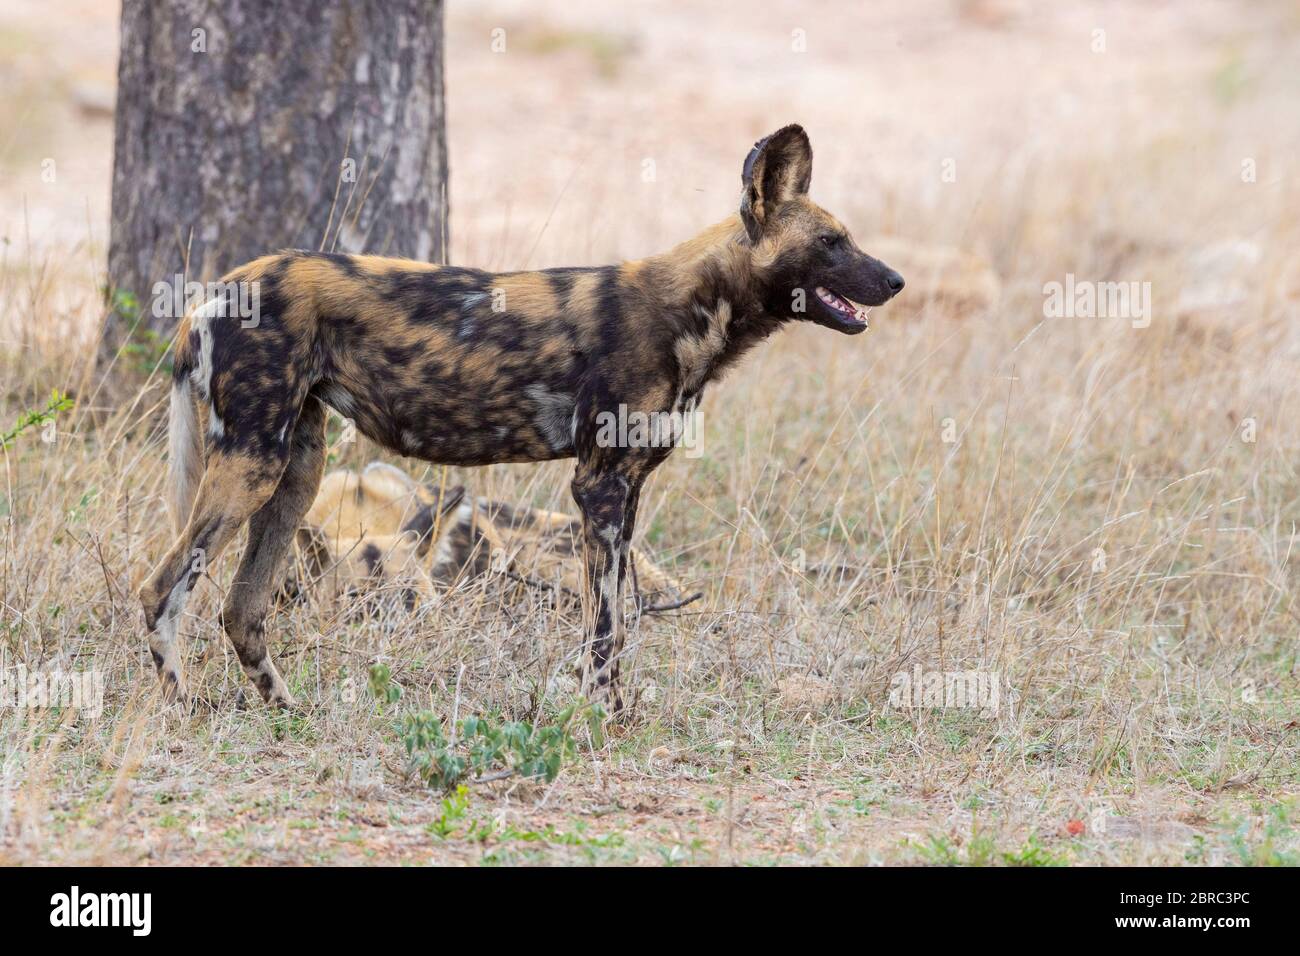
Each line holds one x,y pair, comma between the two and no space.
843,305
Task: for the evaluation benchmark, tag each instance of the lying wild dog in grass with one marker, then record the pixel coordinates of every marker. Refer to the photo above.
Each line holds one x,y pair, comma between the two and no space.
464,367
382,529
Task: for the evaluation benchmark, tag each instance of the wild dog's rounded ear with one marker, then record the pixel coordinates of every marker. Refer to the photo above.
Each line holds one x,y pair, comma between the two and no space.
777,169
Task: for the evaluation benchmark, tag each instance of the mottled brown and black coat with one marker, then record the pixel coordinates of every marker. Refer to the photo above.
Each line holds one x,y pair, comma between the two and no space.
464,367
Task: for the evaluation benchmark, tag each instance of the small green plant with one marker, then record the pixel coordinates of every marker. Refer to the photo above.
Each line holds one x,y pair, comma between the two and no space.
123,302
37,417
981,850
1275,846
549,834
483,749
530,751
146,350
1033,854
479,748
454,808
429,754
382,688
938,851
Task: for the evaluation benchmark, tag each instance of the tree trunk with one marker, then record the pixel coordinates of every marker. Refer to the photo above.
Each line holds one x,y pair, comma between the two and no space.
248,126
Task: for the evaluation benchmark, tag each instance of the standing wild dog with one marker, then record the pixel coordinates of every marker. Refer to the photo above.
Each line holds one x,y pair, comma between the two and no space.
465,367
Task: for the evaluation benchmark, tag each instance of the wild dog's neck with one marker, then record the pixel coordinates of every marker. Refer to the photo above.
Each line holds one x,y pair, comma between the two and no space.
711,299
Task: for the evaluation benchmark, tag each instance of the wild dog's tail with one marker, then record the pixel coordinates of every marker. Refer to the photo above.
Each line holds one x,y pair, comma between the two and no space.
185,449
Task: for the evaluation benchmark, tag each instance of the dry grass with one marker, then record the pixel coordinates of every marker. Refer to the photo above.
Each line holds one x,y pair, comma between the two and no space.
1098,534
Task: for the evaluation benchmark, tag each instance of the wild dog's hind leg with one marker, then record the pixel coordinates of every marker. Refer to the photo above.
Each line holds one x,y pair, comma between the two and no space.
233,487
270,533
603,499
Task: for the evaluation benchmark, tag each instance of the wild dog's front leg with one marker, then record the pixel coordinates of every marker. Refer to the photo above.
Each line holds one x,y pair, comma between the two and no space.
629,526
603,499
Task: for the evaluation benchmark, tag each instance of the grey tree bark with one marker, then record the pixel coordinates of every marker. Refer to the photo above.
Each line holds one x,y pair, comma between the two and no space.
248,126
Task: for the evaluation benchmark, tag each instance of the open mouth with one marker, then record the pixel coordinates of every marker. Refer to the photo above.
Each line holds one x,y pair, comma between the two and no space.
852,313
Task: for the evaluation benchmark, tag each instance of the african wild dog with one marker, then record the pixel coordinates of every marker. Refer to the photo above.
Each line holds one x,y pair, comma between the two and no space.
465,367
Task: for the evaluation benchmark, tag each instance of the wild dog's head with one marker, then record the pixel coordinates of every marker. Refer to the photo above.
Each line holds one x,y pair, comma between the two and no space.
805,260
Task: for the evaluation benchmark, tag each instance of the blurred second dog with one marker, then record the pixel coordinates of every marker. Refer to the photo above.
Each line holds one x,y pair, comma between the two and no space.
382,532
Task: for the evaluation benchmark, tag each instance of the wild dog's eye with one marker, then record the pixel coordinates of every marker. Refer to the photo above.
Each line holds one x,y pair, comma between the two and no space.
831,240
